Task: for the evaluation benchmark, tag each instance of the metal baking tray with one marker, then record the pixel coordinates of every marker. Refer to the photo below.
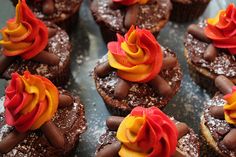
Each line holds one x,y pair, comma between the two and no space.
88,47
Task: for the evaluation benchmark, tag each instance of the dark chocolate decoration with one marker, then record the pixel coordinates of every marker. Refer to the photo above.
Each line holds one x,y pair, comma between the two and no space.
198,32
53,134
217,112
178,153
65,100
48,7
114,5
11,140
182,128
121,89
113,122
224,84
5,62
230,139
169,62
110,150
161,86
131,15
47,58
51,32
103,69
211,53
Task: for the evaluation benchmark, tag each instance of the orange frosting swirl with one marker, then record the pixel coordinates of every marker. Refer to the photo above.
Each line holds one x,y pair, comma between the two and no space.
130,2
230,107
137,56
147,133
24,35
222,29
30,101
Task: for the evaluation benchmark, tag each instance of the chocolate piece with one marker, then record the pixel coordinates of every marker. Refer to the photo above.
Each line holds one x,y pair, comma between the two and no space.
48,7
51,32
217,112
230,140
110,150
113,5
121,89
198,32
178,153
161,86
211,53
113,122
53,134
5,61
47,58
182,129
224,84
65,100
169,62
11,140
103,69
131,15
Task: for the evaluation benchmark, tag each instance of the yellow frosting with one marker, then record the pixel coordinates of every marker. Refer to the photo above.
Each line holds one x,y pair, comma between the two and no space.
230,108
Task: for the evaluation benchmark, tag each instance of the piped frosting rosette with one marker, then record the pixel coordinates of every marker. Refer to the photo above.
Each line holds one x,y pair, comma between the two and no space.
230,107
130,2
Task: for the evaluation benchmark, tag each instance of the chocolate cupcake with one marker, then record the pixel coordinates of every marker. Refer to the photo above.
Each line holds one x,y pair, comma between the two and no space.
210,49
65,13
39,119
147,132
187,10
137,71
218,120
29,44
116,16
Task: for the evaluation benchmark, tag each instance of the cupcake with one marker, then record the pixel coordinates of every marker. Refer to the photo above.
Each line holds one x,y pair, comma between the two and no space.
147,132
29,44
218,120
116,16
137,71
210,47
64,13
187,10
38,119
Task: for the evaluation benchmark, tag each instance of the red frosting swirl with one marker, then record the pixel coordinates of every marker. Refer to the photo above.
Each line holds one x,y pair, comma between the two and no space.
222,29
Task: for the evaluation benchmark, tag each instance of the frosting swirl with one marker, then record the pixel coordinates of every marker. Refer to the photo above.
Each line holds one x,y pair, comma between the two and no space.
30,101
130,2
24,35
230,107
137,56
222,29
147,133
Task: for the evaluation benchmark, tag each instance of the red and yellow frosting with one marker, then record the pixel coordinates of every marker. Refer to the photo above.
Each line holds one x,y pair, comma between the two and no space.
147,133
230,107
24,35
30,101
130,2
137,56
222,29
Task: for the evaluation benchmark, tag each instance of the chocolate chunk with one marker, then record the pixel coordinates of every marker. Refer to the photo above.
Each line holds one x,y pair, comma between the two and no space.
113,122
65,100
121,89
182,128
47,58
51,32
48,7
5,62
224,84
198,33
11,140
131,15
169,62
103,69
217,112
230,140
53,134
178,153
114,5
110,150
161,86
211,53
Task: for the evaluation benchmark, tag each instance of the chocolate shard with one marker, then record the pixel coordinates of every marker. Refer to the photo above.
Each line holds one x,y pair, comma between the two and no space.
217,112
198,33
110,150
131,15
161,86
51,32
178,153
113,122
46,58
114,5
65,100
53,134
169,62
121,89
5,62
230,139
11,140
103,69
182,128
211,53
224,84
48,7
